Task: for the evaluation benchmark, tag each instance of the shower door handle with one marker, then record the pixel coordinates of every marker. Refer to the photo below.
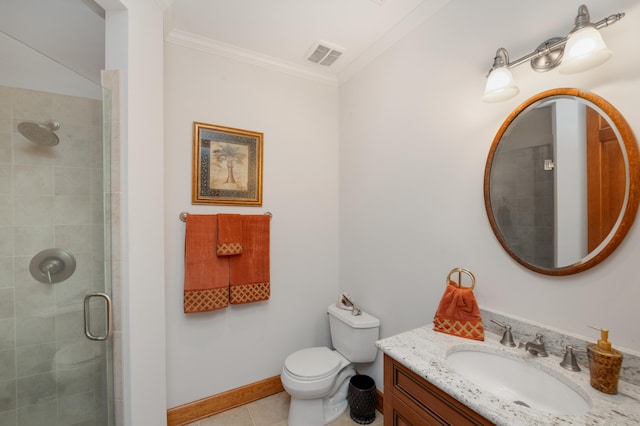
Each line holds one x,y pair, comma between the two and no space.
87,316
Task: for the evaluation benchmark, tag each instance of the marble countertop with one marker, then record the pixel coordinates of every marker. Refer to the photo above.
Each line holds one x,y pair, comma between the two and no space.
424,352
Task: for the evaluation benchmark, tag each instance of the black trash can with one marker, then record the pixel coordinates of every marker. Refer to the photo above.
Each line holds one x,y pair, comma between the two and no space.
362,399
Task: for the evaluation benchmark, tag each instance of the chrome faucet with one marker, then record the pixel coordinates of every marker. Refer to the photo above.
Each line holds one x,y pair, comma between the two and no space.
536,347
569,361
507,337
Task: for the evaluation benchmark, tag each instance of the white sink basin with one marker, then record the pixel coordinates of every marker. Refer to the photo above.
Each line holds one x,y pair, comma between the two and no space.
516,381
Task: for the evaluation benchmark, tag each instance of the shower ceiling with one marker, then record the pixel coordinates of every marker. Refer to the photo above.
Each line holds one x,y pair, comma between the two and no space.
71,32
280,30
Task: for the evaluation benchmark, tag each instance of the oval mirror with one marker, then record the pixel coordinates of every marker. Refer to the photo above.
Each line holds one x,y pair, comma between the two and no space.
561,181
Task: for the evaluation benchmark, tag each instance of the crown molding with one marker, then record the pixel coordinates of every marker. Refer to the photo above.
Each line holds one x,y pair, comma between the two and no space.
413,20
416,18
164,4
111,5
193,41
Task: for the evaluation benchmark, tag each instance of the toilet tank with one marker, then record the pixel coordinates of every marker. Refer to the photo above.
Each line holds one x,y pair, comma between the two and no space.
354,336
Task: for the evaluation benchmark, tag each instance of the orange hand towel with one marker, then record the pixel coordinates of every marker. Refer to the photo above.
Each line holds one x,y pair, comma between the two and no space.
249,272
458,313
229,235
206,276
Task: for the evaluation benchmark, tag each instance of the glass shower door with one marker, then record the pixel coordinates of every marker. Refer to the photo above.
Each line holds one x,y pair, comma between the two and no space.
53,197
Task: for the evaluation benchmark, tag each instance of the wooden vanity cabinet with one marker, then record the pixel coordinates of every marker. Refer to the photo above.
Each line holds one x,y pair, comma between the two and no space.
410,400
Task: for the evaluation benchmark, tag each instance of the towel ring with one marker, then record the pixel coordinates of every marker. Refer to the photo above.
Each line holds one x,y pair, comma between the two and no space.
461,271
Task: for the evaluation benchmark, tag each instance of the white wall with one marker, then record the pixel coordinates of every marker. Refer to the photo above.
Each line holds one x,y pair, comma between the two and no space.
413,143
414,137
570,159
134,45
208,353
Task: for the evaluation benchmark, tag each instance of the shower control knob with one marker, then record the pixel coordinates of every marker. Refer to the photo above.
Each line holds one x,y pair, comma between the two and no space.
52,266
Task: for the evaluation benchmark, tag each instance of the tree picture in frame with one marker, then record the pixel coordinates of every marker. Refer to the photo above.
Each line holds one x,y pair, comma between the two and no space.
227,166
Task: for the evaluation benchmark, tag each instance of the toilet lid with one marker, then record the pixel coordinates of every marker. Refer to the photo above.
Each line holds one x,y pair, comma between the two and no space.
313,363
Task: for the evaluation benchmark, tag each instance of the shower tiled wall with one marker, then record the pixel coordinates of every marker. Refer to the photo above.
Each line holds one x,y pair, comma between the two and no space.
50,373
523,203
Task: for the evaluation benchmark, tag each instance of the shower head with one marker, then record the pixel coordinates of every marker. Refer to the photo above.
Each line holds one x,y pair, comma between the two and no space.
40,133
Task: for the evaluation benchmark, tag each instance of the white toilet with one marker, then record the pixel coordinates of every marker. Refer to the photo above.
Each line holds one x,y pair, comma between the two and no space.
318,378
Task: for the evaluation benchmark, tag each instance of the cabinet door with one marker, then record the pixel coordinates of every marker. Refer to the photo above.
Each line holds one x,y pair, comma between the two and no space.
412,400
402,415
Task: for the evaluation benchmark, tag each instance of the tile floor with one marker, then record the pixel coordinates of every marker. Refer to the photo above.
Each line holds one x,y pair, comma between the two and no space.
270,411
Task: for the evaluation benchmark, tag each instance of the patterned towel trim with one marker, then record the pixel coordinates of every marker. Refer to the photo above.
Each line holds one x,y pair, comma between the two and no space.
249,293
228,249
206,300
468,330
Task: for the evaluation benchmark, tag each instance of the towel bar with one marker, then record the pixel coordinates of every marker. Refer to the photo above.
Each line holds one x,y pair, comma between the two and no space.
183,215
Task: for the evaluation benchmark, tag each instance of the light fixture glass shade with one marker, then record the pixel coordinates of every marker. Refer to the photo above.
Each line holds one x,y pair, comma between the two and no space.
585,49
500,86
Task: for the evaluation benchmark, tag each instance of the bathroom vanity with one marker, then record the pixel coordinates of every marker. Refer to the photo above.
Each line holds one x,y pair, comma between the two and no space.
422,388
412,400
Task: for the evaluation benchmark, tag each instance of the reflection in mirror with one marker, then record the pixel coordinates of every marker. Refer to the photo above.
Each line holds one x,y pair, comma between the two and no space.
561,181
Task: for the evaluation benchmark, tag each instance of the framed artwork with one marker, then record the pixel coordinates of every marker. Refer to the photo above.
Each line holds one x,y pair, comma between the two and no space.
227,166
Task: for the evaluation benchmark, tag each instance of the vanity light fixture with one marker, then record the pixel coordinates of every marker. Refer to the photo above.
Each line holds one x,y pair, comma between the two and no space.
582,49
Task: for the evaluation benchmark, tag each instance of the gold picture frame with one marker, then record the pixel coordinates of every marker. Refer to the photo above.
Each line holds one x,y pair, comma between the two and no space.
227,166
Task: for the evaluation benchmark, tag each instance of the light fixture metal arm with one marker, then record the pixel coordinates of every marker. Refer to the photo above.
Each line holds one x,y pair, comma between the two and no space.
549,46
555,43
609,20
581,49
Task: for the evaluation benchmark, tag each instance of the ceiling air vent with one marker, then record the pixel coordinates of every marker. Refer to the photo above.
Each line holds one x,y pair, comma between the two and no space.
324,53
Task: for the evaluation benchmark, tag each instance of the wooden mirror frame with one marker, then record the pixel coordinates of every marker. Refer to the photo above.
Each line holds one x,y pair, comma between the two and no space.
633,157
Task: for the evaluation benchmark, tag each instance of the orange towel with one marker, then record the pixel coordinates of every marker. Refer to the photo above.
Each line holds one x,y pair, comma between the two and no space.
458,313
206,276
229,235
249,272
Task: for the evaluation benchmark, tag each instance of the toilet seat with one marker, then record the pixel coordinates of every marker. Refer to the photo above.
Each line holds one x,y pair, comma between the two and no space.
313,363
318,378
